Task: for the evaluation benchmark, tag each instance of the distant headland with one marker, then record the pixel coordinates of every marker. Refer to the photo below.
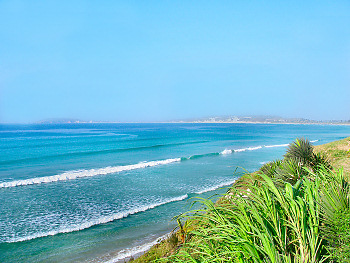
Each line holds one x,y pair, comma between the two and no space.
220,119
261,119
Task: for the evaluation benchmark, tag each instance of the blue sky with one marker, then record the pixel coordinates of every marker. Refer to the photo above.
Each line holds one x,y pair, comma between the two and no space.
164,60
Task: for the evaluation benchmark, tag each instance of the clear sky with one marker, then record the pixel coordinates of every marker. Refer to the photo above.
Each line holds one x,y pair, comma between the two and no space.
164,60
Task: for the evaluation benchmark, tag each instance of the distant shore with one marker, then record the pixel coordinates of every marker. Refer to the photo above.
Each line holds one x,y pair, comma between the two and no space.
250,119
184,122
288,123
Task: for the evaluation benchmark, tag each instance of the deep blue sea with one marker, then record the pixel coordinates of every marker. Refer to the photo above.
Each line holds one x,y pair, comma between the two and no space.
103,192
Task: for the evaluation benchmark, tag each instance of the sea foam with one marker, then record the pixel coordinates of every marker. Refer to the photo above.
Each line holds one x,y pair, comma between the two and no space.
127,253
277,145
71,175
226,151
216,187
248,149
98,221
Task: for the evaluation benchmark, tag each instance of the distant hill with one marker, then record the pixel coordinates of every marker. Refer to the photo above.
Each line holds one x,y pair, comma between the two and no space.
220,119
61,121
261,119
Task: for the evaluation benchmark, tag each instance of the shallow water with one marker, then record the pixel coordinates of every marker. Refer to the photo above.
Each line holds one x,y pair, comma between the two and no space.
99,192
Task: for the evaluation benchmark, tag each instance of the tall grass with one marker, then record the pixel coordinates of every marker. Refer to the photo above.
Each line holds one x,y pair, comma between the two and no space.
335,211
290,214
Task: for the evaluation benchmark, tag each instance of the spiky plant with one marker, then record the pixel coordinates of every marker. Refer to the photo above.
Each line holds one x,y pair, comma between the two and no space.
297,211
269,168
301,150
182,230
335,212
320,161
269,225
289,171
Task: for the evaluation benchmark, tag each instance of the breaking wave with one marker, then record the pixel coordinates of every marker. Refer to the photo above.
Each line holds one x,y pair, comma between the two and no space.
277,145
98,221
248,149
216,187
226,151
127,253
97,152
70,175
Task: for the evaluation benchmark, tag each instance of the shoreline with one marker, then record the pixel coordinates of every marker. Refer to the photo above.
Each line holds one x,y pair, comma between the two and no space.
135,236
139,250
240,182
283,123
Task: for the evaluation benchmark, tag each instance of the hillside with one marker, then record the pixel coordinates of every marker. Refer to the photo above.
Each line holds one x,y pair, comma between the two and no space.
338,154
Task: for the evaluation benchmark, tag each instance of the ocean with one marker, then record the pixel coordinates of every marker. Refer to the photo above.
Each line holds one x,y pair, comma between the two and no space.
104,192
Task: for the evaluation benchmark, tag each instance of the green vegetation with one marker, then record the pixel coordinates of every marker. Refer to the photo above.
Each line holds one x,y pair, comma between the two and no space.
291,210
338,153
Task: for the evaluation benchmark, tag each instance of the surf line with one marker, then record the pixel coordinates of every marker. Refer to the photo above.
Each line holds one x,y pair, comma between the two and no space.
74,174
228,151
71,175
131,252
116,216
98,221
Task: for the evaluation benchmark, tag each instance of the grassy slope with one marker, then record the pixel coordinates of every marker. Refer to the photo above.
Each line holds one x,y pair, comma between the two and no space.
338,153
169,246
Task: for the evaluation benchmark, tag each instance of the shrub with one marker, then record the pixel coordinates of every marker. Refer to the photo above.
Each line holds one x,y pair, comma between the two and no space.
297,211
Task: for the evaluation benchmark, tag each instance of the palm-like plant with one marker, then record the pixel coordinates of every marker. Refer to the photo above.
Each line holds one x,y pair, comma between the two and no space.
320,161
299,154
269,168
301,150
289,171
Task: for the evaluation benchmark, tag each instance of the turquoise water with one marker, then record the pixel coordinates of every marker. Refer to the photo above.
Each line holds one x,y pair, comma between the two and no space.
102,192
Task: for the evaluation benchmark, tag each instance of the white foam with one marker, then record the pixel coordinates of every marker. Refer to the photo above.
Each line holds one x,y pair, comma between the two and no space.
314,141
216,187
248,149
277,145
70,175
98,221
127,253
226,151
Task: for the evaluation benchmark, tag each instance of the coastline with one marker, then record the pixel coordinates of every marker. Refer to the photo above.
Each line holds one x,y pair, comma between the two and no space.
138,251
134,253
240,184
273,123
211,163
